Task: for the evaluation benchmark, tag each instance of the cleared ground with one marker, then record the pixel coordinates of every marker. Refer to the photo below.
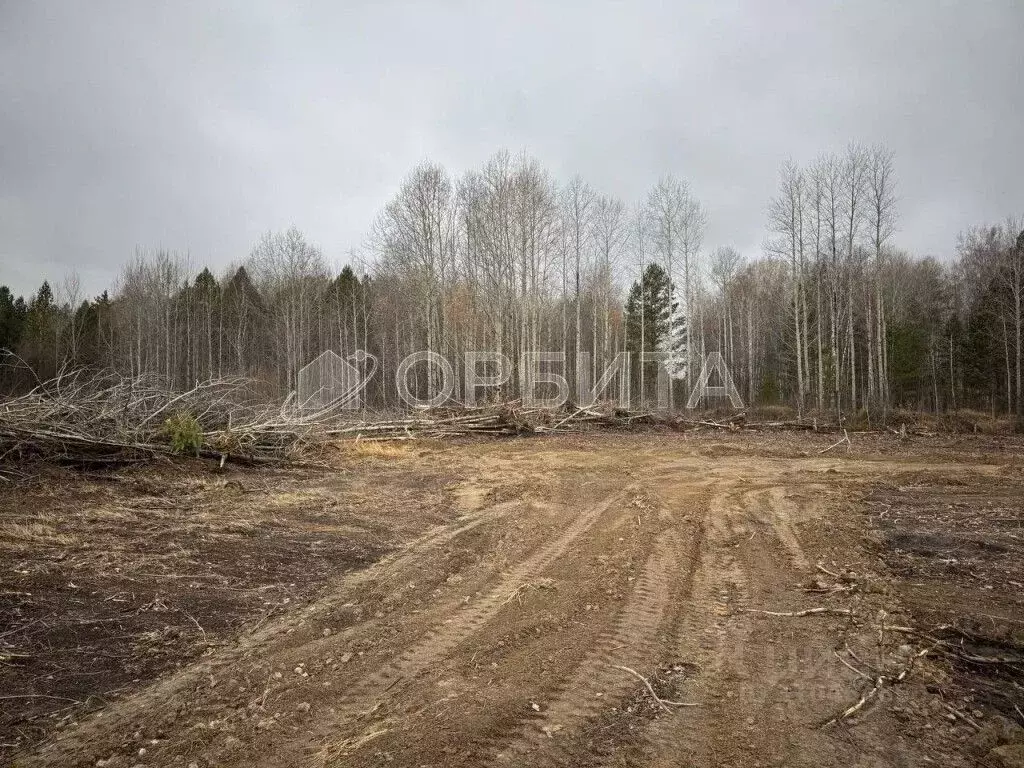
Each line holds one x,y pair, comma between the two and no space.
497,603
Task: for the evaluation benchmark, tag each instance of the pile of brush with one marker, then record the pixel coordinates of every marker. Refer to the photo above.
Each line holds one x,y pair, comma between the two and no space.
87,417
82,417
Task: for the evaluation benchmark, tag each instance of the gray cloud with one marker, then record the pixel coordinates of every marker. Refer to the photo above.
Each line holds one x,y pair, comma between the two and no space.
192,128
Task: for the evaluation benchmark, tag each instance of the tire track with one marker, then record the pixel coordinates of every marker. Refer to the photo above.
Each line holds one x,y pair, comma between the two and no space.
440,535
708,633
595,685
780,513
740,672
440,641
392,567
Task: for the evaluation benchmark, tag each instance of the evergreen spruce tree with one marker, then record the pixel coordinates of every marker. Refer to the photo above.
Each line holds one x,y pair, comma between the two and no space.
654,322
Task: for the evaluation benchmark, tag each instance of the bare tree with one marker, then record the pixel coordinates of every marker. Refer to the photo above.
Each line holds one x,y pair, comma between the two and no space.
786,218
725,263
415,236
639,230
854,171
292,273
881,222
610,234
578,201
676,230
71,295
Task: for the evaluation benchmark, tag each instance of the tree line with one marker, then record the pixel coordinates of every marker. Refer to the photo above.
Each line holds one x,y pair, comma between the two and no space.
834,318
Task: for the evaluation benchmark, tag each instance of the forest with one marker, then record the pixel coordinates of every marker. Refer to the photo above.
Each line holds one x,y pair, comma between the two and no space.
833,318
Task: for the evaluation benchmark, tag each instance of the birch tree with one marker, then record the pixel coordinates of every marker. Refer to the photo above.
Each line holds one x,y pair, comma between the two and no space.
578,201
610,233
881,224
786,218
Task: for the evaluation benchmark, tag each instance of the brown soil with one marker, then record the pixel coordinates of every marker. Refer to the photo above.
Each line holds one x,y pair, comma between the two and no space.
478,604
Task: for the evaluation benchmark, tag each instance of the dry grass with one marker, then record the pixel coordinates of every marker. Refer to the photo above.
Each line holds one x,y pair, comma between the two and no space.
373,449
35,534
962,421
109,578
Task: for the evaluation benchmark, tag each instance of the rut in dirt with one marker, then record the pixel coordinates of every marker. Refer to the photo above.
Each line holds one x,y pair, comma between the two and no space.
390,681
511,646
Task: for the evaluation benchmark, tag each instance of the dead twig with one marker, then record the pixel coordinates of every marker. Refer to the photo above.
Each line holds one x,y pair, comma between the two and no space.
355,742
198,626
38,696
963,716
879,682
846,439
850,666
798,614
855,708
952,649
663,703
827,572
858,659
518,593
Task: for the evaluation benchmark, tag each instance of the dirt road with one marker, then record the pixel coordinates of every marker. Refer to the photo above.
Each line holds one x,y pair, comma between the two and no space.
516,630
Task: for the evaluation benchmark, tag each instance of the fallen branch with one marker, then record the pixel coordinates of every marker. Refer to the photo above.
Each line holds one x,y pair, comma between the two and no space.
846,439
850,666
798,614
827,572
952,649
963,716
855,708
880,682
663,703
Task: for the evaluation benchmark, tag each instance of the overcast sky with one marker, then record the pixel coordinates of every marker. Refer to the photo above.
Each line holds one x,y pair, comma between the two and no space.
182,126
